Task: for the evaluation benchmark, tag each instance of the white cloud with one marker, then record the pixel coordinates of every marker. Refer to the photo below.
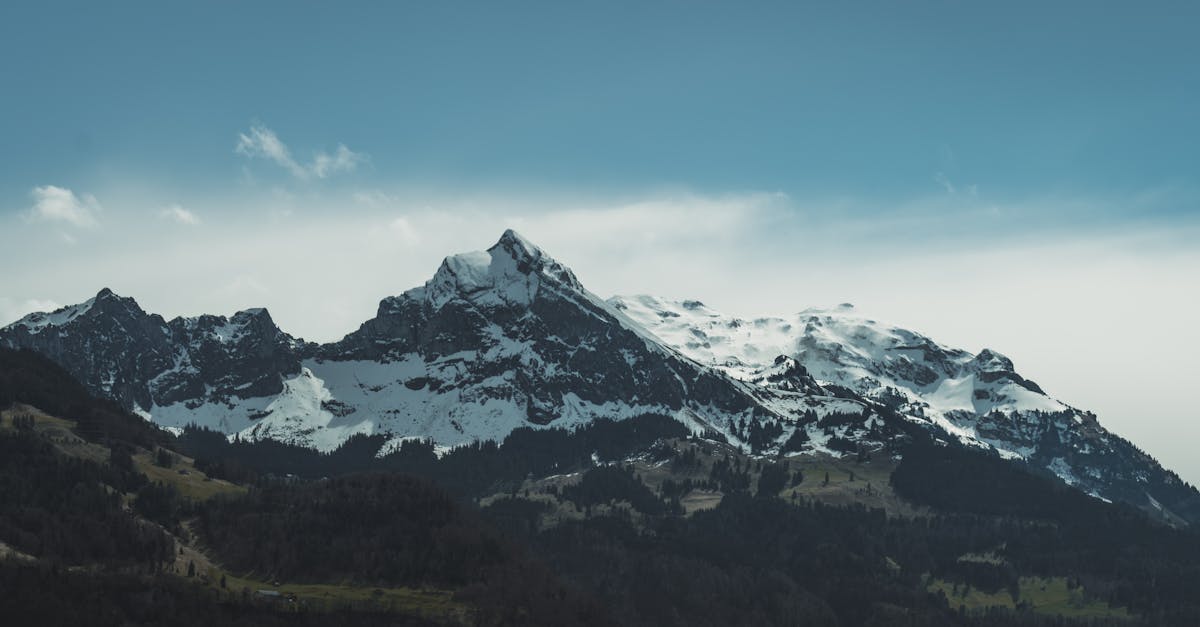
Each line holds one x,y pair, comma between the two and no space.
262,142
59,204
180,215
342,160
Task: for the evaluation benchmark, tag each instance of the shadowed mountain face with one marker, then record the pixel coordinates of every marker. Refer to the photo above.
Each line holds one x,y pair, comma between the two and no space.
509,337
119,351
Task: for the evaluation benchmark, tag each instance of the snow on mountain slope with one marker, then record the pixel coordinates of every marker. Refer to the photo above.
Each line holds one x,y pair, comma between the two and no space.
837,346
979,399
37,322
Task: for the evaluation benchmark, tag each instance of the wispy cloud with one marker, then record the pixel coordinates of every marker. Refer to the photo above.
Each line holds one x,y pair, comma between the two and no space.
262,142
342,160
180,215
944,181
59,204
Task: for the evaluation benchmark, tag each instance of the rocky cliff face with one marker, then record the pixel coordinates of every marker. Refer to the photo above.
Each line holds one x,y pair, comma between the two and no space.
119,351
243,356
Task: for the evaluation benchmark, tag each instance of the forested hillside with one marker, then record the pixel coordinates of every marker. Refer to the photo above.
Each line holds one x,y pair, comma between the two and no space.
106,520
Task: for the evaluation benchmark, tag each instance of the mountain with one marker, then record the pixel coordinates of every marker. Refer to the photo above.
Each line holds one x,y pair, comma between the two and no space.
121,352
978,399
505,338
509,338
496,340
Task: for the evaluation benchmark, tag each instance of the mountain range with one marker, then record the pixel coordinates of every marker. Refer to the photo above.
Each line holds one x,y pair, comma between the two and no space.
509,338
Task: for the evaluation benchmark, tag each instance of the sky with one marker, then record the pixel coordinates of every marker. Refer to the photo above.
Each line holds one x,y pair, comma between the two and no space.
1021,176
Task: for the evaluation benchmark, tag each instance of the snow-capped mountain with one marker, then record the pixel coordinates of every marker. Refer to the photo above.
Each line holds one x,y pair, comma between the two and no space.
121,352
978,399
509,337
896,367
496,340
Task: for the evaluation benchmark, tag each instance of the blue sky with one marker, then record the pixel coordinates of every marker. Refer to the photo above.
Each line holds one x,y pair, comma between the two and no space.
1020,176
873,99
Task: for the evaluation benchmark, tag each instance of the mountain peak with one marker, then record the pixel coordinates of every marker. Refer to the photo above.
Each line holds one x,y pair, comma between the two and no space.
253,312
530,259
510,272
108,302
105,302
518,246
259,317
989,360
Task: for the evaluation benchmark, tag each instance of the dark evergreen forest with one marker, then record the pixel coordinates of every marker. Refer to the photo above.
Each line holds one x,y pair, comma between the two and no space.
88,540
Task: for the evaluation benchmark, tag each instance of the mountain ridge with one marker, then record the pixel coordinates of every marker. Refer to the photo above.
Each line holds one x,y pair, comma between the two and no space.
510,337
978,399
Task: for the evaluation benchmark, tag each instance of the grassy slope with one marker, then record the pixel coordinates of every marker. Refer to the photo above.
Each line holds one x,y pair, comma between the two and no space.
1050,596
194,484
183,475
850,482
429,603
59,431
